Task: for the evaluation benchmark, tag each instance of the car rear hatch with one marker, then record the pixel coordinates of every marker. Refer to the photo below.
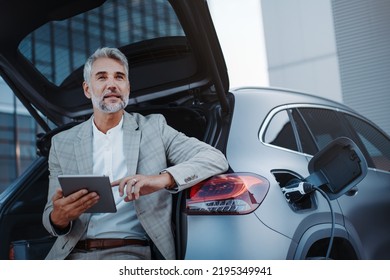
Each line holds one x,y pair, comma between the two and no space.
171,45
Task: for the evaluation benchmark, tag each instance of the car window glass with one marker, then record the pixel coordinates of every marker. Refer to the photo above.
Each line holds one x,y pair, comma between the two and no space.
375,142
306,141
280,133
17,137
115,23
324,125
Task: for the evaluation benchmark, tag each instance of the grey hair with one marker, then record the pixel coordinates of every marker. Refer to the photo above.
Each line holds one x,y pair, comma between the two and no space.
105,52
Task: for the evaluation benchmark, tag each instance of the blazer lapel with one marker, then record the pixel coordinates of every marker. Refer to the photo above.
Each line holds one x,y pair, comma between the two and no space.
131,142
83,148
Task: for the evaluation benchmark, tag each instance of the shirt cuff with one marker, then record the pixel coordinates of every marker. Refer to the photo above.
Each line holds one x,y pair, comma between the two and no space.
59,231
174,187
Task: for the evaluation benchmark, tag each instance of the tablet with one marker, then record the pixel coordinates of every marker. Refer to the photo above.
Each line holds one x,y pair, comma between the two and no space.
93,183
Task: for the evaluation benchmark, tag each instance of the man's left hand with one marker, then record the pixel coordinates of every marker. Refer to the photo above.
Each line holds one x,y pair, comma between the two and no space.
137,185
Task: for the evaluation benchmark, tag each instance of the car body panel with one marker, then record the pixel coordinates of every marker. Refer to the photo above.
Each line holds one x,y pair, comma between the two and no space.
366,207
229,237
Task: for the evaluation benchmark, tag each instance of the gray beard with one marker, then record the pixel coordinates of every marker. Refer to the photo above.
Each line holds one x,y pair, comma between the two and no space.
109,108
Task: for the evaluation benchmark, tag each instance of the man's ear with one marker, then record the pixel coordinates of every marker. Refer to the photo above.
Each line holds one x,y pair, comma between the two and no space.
86,90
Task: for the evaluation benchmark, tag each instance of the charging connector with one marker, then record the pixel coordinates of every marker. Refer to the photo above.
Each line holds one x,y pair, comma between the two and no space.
296,191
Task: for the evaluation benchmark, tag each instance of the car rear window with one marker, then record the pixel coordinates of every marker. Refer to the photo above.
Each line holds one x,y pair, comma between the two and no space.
115,23
280,132
324,124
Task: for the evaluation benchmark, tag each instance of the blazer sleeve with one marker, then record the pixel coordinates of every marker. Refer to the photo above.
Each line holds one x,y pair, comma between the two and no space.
191,160
55,170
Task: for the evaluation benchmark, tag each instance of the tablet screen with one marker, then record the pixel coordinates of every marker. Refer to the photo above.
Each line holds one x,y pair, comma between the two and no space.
99,184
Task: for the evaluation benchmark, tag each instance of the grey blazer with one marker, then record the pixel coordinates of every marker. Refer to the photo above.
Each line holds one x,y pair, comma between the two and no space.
150,146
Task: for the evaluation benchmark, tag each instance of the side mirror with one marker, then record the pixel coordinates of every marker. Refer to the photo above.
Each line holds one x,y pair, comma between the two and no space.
337,168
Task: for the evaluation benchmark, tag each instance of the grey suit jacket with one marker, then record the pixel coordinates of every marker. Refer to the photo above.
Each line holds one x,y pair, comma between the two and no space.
150,146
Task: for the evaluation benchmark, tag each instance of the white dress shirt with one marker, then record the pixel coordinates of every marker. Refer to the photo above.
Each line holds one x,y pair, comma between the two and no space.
109,160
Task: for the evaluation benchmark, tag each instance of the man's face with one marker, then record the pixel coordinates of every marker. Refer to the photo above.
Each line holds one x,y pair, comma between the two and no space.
109,86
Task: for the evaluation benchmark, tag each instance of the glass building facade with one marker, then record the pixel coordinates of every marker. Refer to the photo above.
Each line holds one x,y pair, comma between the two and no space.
60,47
17,138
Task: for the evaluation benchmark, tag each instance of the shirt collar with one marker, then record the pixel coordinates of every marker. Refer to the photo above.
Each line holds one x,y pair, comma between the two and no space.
115,129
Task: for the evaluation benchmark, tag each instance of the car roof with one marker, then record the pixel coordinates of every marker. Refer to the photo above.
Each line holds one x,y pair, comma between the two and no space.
264,99
161,65
286,92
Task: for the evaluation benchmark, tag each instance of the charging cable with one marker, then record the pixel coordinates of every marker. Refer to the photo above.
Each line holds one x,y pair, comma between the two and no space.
296,190
333,222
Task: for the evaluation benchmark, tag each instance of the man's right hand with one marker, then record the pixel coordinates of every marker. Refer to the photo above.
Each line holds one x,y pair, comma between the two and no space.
66,209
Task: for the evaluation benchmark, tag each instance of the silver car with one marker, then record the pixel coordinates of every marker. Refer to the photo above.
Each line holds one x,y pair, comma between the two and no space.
259,209
274,133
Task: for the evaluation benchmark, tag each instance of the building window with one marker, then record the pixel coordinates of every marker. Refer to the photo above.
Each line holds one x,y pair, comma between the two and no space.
60,47
17,138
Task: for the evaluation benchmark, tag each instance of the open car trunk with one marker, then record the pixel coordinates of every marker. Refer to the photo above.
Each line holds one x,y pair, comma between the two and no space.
23,236
176,69
172,48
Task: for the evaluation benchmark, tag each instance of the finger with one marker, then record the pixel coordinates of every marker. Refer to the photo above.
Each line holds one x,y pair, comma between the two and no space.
115,183
76,195
122,184
127,183
136,191
136,188
131,189
86,202
86,205
128,198
57,195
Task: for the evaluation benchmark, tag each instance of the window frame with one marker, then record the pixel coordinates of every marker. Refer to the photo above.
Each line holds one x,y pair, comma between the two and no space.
339,113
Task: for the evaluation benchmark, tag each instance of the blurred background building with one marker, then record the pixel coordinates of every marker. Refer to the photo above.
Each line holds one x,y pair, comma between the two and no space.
335,49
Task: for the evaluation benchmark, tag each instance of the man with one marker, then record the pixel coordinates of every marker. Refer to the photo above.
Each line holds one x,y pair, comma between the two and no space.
146,161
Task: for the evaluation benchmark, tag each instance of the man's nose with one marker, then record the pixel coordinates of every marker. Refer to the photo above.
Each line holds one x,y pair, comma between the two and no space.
111,82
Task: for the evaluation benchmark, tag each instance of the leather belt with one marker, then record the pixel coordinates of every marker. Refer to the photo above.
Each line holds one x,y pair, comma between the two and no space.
96,244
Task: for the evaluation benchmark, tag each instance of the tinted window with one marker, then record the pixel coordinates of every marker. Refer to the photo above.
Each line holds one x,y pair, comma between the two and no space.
324,124
280,132
376,143
306,141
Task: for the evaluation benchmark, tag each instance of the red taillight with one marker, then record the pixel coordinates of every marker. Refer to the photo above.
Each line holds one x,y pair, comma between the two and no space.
227,194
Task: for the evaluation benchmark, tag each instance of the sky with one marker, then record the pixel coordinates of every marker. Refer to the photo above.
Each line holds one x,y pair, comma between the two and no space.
239,27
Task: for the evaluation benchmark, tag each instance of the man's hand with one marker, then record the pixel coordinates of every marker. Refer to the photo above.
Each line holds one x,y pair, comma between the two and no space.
137,185
66,209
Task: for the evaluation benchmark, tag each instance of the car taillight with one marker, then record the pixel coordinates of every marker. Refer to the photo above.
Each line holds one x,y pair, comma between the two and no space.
227,194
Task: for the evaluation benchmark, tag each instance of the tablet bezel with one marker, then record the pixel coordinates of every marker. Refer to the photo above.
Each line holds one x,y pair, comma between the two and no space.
93,183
